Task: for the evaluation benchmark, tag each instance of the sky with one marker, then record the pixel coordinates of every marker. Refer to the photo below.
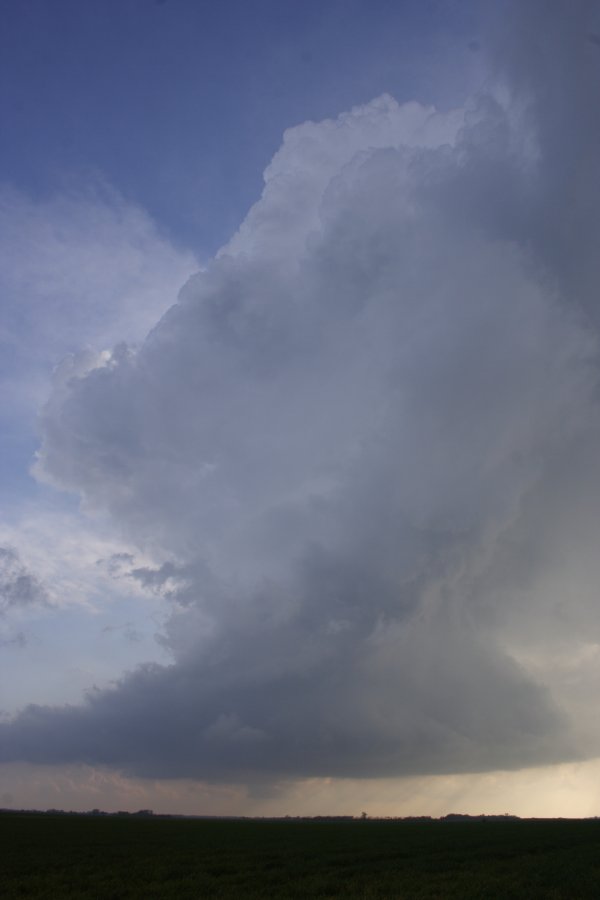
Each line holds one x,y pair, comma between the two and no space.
299,406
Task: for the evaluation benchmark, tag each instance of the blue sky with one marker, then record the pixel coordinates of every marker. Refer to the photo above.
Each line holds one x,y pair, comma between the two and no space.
180,105
298,402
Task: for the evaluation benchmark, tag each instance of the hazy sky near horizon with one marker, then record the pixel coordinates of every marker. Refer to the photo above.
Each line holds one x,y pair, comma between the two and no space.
299,405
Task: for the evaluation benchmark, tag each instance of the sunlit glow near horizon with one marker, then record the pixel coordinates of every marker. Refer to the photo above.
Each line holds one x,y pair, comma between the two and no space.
301,478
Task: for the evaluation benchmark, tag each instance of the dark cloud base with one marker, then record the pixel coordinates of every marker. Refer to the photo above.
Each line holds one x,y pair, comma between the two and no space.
169,722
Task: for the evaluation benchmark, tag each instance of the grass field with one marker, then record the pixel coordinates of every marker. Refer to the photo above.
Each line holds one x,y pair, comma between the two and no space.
117,857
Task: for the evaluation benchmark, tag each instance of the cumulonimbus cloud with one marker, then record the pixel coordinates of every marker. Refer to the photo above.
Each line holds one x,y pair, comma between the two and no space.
367,437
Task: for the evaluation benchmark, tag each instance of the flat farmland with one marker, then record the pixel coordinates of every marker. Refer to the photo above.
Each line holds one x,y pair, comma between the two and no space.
68,856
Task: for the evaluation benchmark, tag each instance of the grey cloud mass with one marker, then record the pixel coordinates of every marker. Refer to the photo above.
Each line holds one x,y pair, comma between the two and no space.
368,439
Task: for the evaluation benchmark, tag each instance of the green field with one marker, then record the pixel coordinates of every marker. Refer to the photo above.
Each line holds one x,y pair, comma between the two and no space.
114,857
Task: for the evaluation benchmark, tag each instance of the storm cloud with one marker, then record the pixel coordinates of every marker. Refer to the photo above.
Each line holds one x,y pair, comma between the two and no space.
365,446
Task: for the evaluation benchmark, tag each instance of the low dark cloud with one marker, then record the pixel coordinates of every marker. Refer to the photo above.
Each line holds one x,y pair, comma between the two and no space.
126,630
368,438
17,641
18,587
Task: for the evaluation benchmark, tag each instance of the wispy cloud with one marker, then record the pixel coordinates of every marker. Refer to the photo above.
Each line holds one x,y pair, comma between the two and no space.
81,267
